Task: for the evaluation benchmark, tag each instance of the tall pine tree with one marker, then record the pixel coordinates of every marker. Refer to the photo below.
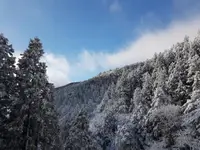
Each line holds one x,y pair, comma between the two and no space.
36,110
7,91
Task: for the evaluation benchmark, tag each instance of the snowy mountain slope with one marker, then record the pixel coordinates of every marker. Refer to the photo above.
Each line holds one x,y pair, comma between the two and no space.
152,105
74,97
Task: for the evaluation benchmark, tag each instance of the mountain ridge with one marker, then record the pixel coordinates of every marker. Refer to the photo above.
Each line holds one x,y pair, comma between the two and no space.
149,105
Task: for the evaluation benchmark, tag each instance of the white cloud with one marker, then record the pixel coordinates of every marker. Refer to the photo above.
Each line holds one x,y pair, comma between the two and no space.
60,71
143,48
115,6
90,61
156,41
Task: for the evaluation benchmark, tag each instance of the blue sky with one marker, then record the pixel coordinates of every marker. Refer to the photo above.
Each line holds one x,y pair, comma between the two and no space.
84,37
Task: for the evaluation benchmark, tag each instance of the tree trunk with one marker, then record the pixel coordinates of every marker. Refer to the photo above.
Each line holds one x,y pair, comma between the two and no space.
27,132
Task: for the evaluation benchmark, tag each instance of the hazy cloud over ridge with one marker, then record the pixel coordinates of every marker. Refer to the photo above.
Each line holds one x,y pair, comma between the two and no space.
60,70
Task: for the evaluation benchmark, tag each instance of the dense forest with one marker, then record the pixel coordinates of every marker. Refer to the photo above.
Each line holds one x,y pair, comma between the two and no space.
150,105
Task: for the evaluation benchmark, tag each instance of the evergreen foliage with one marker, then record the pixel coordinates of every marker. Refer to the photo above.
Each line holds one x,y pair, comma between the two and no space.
8,94
28,118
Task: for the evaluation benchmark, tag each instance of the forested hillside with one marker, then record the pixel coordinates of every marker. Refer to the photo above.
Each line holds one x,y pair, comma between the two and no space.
150,105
